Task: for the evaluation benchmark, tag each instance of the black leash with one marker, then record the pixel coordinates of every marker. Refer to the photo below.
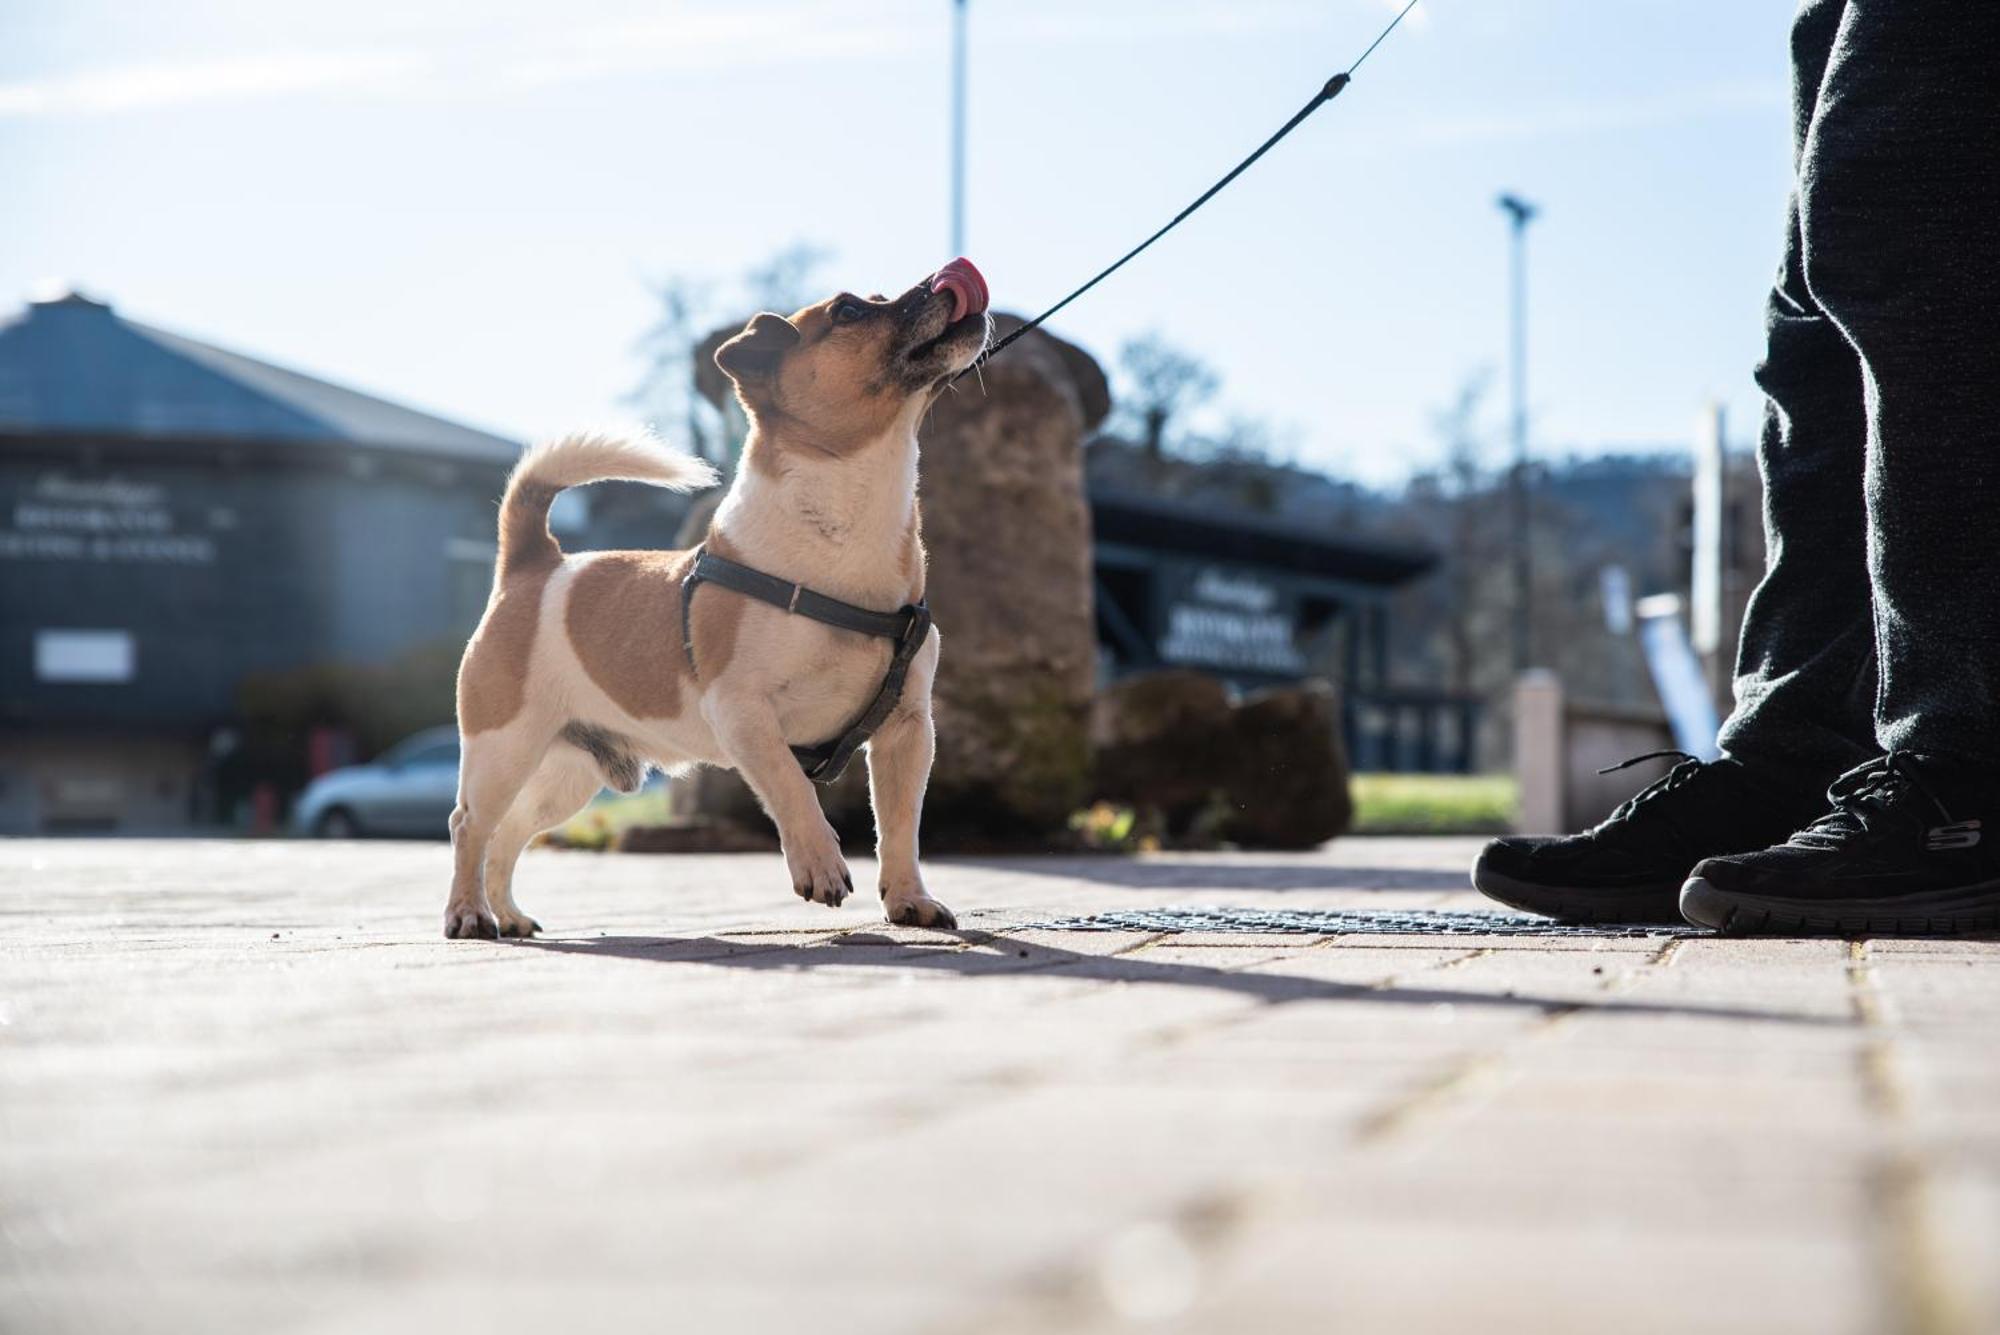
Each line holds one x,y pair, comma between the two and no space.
1325,95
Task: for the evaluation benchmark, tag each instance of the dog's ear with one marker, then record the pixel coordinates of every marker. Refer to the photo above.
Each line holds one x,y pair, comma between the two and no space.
754,354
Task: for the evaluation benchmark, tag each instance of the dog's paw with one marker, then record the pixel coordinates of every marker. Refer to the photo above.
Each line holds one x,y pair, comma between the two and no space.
465,923
517,923
919,910
819,873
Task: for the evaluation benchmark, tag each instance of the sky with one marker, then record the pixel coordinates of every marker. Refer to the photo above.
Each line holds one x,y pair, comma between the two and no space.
461,205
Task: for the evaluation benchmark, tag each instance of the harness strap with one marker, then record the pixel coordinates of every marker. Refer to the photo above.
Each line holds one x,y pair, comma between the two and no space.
908,627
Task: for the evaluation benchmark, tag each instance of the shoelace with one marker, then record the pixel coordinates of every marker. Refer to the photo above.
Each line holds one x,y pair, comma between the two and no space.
1687,767
1869,797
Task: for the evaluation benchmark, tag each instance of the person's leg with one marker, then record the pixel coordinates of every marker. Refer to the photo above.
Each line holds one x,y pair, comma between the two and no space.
1805,672
1901,208
1900,216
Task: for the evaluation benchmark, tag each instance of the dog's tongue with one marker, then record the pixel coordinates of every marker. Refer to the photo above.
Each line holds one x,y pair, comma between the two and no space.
963,282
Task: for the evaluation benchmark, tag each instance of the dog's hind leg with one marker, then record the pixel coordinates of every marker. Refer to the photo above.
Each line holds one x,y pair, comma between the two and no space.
492,767
899,767
560,786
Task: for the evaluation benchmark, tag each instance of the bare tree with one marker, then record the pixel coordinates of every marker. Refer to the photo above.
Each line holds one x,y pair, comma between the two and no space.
666,388
1244,439
1468,528
1163,383
687,310
1455,628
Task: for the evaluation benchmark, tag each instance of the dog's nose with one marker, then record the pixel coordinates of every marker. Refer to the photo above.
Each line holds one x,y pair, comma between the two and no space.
964,285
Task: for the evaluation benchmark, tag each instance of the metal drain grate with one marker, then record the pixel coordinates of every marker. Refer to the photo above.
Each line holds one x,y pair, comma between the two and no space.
1341,922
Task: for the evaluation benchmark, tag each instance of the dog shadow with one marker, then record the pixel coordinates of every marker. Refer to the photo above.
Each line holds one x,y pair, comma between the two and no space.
975,954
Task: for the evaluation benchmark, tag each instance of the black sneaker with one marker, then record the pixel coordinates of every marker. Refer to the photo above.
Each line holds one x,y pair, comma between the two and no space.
1630,867
1902,853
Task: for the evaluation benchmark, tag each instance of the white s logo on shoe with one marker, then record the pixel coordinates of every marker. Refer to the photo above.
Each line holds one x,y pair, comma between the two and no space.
1962,835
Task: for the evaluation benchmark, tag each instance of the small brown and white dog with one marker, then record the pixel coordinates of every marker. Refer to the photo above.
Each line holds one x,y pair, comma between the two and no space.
577,677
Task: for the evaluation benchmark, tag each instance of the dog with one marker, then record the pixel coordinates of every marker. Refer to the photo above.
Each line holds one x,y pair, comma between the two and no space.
585,671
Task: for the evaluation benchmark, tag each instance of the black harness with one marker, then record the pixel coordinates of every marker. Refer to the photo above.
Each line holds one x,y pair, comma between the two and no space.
907,627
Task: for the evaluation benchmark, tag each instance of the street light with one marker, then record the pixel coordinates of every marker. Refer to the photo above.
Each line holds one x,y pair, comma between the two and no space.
1520,212
958,127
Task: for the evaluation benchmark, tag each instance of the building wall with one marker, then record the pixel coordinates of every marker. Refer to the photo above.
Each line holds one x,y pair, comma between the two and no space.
411,558
84,783
138,588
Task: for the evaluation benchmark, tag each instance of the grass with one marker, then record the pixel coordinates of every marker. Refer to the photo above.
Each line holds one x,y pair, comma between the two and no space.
1383,804
1433,803
609,814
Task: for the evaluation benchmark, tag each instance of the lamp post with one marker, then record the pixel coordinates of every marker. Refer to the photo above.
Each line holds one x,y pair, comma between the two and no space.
958,127
1520,212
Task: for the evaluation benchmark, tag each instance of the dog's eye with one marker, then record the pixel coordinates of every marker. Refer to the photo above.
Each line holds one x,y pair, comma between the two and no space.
847,311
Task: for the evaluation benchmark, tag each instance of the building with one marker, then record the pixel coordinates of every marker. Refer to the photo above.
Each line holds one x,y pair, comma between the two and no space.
1261,600
177,520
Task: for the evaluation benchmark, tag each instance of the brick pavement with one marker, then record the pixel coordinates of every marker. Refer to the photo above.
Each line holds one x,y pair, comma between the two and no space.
246,1087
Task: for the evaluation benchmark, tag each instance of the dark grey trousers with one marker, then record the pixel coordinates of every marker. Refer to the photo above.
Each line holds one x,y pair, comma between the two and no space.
1877,625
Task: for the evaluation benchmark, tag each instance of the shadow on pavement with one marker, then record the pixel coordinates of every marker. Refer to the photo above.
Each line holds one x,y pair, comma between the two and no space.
1141,873
1001,956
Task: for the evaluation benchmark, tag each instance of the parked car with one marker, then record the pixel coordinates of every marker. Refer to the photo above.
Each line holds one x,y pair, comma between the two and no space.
406,792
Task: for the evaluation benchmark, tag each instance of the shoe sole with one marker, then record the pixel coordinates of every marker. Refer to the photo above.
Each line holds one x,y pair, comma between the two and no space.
1655,905
1969,911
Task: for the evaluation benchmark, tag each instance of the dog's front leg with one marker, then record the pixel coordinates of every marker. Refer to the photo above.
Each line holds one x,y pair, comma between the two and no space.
899,767
747,728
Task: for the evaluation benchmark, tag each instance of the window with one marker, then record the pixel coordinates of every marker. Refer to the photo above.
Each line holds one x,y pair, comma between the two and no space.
444,753
424,749
103,656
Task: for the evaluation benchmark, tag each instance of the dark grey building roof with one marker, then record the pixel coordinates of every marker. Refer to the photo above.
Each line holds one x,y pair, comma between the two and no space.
74,366
1132,520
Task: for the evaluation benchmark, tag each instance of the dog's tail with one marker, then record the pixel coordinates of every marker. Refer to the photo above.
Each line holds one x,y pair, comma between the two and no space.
571,461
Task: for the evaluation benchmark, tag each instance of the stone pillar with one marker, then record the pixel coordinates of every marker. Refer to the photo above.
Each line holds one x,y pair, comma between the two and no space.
1540,766
1007,528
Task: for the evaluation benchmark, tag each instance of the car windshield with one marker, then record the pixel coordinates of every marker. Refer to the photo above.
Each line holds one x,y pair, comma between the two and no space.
423,751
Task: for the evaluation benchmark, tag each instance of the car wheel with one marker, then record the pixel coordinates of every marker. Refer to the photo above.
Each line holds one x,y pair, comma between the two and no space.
337,823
